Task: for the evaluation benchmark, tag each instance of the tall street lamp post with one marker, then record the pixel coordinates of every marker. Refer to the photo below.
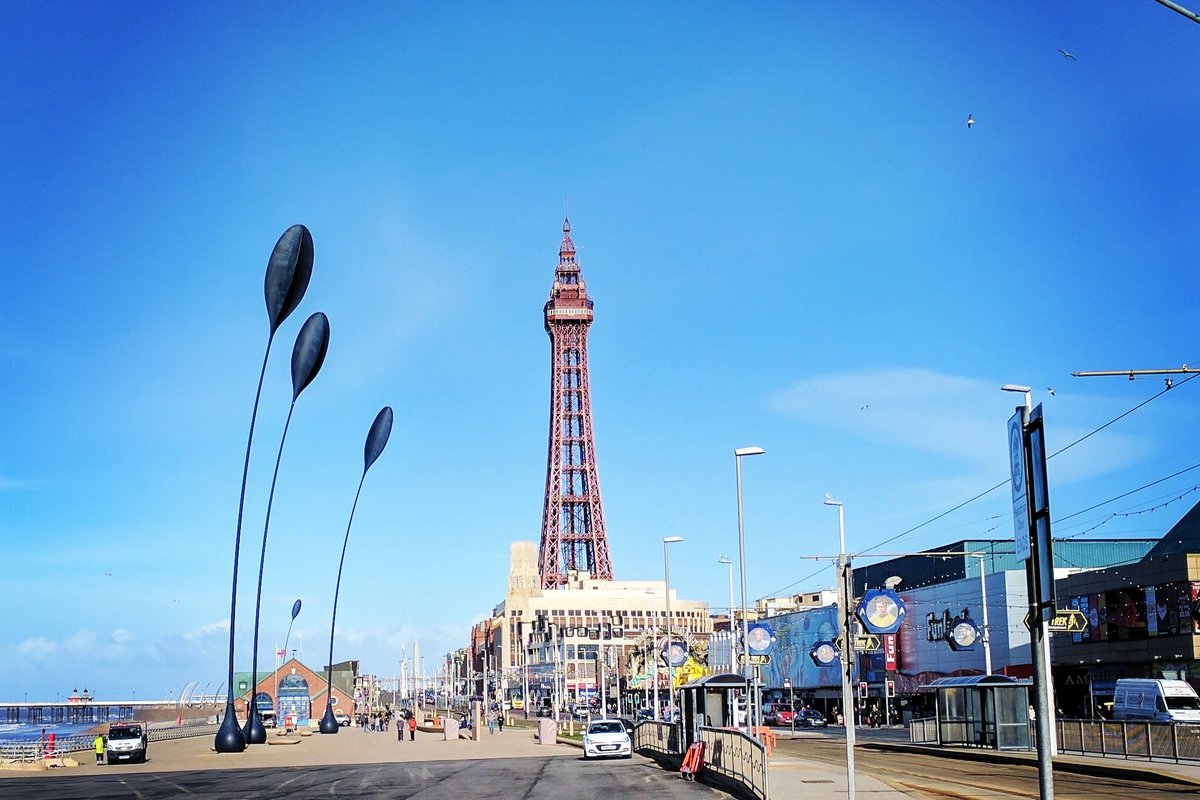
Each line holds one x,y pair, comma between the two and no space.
653,653
747,670
727,561
667,542
845,596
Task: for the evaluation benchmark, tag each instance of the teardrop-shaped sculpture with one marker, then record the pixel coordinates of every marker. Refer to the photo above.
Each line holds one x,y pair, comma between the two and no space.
377,439
288,272
295,609
312,343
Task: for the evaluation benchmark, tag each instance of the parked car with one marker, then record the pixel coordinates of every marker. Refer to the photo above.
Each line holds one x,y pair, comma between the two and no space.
777,714
343,719
811,718
607,738
545,711
644,713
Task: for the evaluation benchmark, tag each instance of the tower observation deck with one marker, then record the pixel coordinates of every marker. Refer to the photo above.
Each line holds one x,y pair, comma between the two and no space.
573,537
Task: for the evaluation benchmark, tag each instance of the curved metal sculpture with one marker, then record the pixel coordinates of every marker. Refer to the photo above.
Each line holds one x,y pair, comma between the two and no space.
312,343
288,272
377,439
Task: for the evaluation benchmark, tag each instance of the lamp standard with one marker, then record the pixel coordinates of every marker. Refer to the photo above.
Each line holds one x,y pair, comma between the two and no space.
667,542
654,644
727,561
747,670
845,596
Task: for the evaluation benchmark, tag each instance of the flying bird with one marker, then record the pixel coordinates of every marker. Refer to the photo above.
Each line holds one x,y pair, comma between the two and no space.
1065,54
864,408
970,120
1051,391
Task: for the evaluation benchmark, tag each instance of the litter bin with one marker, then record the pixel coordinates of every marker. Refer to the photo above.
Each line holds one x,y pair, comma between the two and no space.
547,732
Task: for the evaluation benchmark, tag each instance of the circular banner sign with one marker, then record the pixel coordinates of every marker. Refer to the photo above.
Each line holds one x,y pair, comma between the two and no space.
962,634
675,652
881,611
824,654
759,639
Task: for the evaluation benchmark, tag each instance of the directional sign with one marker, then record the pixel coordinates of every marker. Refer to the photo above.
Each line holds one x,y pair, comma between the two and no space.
1069,620
756,659
1065,620
868,642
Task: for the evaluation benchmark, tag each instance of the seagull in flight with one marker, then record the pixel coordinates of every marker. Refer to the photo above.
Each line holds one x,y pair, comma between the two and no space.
1051,391
970,120
1065,54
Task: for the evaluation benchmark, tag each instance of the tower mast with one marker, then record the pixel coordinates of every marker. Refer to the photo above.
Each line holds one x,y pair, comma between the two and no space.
573,537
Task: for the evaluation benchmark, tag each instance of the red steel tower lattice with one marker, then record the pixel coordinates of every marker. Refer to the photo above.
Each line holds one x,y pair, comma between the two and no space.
573,537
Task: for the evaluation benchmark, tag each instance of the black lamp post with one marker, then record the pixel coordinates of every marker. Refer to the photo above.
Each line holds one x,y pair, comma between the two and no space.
288,272
377,439
308,355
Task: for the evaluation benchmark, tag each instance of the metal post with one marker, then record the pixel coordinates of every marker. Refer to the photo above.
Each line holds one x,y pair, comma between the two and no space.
987,634
845,587
667,542
751,702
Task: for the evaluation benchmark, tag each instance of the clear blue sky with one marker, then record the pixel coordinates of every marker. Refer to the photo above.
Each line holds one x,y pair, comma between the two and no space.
792,238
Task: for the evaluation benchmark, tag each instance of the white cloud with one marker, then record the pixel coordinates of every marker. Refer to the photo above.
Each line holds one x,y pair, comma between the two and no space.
37,648
122,636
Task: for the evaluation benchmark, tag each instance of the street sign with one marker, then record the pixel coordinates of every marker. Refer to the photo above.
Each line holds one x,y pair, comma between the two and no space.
868,642
1069,620
1065,620
756,659
1016,463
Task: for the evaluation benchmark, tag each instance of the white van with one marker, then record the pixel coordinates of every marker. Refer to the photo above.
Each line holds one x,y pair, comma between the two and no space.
1156,700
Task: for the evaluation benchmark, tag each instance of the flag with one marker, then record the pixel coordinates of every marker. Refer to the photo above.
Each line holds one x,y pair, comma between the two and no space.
280,653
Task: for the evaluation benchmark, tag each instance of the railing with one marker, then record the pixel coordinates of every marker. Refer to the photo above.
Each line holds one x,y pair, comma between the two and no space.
653,737
37,750
1147,740
736,758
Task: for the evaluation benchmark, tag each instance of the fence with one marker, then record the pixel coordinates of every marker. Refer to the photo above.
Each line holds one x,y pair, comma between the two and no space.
1145,740
36,750
732,760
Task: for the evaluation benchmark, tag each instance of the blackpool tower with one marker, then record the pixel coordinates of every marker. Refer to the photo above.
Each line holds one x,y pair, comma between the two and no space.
573,537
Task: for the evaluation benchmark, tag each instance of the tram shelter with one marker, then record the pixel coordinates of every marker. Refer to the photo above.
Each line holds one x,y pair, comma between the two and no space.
983,711
709,702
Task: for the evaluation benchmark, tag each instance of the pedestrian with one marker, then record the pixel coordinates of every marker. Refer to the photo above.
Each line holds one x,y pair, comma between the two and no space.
500,721
491,722
400,728
98,742
412,727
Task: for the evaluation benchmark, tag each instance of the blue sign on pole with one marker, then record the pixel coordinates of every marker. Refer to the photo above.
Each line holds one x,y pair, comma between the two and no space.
1016,466
760,639
881,611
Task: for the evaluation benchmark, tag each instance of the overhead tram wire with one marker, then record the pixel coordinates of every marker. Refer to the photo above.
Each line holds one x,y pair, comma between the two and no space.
1006,481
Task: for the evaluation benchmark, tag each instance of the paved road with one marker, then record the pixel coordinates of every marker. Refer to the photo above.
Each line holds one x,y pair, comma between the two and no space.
547,778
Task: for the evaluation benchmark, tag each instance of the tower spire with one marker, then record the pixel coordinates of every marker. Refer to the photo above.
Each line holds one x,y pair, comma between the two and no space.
573,536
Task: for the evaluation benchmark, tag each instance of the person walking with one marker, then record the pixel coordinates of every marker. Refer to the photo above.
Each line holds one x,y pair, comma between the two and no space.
500,721
412,727
491,722
400,727
98,742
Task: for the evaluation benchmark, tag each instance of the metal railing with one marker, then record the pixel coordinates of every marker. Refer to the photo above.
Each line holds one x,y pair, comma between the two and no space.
661,738
36,750
1145,740
736,757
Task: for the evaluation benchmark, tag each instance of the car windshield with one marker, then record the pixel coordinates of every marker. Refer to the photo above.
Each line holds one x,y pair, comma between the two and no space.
125,733
606,727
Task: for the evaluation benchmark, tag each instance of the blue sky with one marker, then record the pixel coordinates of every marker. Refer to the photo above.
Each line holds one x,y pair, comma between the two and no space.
791,236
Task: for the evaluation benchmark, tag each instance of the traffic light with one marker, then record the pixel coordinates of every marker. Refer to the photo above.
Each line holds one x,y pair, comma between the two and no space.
891,688
862,690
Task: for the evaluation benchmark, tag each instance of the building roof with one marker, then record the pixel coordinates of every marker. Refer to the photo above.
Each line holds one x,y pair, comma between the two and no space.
1184,537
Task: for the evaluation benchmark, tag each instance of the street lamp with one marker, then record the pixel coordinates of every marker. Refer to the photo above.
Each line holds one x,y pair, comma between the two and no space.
727,561
751,703
845,597
667,542
653,651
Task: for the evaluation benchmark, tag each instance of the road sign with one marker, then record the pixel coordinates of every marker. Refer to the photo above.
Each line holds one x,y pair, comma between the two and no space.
1016,463
1064,620
1069,620
868,642
756,659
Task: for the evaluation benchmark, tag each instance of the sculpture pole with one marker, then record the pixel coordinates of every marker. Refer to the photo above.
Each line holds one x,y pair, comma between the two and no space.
288,272
308,355
377,439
